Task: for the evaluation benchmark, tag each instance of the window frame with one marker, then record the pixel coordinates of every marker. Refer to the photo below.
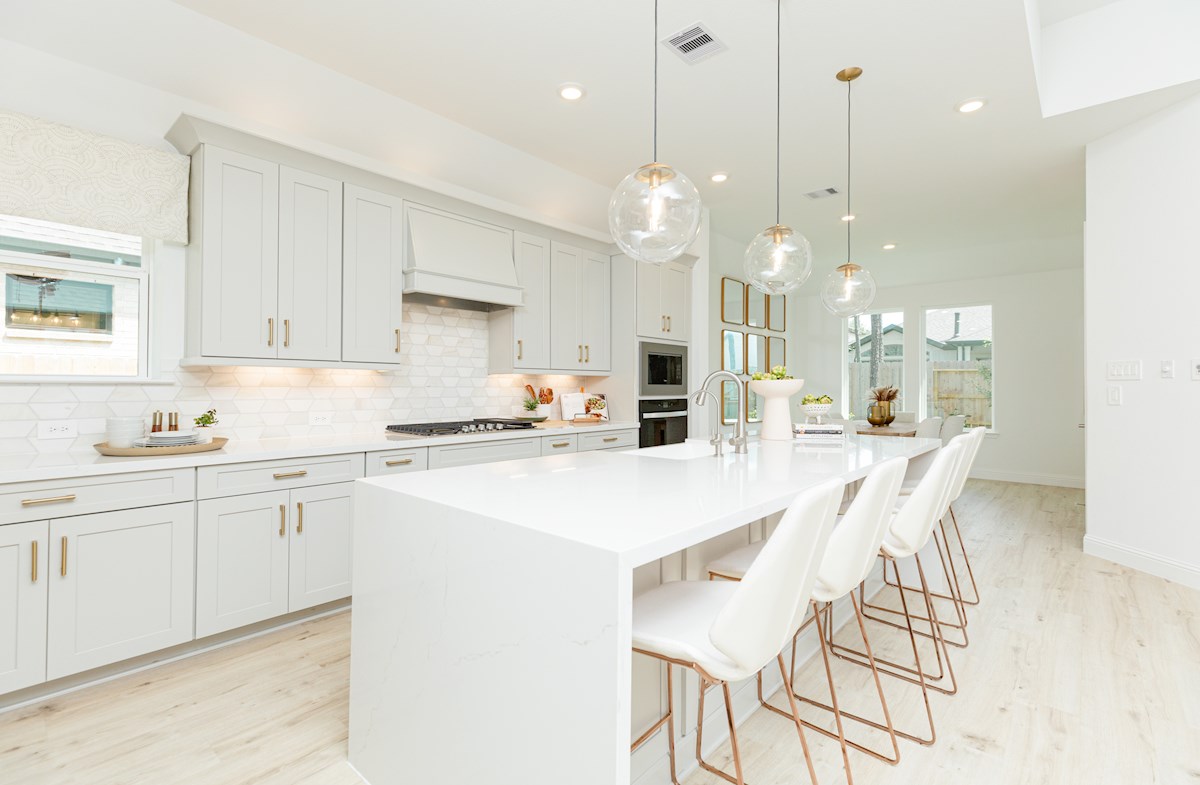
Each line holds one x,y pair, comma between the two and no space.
924,375
141,273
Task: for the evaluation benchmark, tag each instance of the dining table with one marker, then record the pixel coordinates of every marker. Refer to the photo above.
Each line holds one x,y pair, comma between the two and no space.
894,429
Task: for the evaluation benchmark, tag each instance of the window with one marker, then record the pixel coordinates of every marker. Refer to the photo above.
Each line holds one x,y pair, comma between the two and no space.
875,358
958,371
75,301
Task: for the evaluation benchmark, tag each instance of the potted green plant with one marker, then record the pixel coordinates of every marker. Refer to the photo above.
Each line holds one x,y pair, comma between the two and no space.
204,424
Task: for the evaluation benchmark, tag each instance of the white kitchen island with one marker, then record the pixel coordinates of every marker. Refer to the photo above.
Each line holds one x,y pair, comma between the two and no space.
492,604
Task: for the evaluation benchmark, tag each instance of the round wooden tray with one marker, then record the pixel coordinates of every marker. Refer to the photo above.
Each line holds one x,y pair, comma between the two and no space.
128,452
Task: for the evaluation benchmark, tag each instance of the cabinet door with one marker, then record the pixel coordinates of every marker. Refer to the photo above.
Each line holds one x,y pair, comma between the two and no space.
595,309
241,561
676,301
566,345
373,276
651,318
23,560
240,255
320,545
310,266
121,585
531,322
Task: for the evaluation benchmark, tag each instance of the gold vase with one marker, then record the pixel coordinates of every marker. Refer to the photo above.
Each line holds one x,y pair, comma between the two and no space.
878,414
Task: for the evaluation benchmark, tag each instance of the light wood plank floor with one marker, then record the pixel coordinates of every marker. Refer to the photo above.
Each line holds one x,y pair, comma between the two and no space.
1078,671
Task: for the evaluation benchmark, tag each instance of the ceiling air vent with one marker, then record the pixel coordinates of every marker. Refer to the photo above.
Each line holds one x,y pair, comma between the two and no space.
822,193
695,43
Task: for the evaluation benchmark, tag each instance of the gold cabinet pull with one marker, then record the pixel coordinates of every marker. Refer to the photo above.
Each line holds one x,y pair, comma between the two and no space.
299,517
611,438
560,444
287,332
588,349
69,497
398,462
662,323
63,566
397,349
282,520
580,352
285,475
520,350
33,570
270,331
668,324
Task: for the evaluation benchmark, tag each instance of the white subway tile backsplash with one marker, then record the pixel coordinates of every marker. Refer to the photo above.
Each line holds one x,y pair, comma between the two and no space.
442,375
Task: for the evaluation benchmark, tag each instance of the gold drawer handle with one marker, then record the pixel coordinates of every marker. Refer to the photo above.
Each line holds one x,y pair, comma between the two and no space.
299,517
63,565
34,570
70,497
287,332
520,350
401,462
270,331
397,349
285,475
612,438
560,444
282,520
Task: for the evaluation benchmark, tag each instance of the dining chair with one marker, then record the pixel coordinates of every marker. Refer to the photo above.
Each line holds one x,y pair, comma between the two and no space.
906,417
953,426
725,631
930,428
848,560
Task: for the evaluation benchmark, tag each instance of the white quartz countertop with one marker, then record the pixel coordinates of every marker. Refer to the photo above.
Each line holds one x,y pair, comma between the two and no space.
30,467
642,505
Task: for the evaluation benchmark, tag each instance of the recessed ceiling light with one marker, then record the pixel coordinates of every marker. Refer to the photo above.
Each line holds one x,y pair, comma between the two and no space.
719,177
571,91
848,217
971,105
889,247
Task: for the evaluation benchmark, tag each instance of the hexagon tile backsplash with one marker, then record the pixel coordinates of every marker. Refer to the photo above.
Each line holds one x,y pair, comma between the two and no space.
442,376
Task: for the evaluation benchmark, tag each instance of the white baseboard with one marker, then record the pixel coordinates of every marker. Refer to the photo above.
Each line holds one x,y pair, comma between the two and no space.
1144,561
1057,480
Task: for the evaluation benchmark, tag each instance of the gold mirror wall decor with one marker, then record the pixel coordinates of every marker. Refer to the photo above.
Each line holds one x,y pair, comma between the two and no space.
777,313
732,351
756,308
729,403
733,301
756,354
776,352
753,406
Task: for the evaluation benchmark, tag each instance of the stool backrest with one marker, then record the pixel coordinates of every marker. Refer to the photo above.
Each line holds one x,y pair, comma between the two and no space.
953,426
914,522
930,428
974,440
772,598
856,538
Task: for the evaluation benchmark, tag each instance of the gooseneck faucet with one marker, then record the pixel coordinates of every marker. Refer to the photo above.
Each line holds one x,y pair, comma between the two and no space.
738,440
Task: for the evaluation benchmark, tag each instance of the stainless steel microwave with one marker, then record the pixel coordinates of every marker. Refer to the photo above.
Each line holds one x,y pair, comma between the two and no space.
663,369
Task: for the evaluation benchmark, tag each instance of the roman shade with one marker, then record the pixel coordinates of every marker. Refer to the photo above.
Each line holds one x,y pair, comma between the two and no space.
57,173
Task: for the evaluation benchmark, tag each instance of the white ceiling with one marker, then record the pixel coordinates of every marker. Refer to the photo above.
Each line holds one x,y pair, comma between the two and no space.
1052,11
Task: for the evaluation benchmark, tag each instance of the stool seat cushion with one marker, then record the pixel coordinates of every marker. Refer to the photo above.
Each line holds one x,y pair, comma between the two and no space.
673,620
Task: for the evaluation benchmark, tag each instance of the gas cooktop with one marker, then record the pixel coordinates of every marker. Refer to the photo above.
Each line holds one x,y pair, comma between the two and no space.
459,426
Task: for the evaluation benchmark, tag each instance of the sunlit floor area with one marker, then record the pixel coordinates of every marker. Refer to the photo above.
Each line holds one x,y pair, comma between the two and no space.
1077,671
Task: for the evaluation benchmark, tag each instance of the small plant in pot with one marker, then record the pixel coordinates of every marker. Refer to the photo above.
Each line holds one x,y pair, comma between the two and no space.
204,425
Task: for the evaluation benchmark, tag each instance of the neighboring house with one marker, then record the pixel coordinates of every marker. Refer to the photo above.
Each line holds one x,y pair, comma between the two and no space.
951,335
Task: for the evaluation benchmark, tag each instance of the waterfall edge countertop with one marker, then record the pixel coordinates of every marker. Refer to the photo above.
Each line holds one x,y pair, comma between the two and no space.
32,467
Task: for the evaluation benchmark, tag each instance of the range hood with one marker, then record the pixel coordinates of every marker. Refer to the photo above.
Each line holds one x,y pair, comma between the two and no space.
457,261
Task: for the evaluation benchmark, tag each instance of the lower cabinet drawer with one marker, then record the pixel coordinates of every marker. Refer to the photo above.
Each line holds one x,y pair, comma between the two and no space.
397,461
36,501
608,440
238,478
554,445
449,455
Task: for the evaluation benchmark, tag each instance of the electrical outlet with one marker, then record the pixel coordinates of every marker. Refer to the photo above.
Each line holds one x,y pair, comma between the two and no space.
57,429
320,418
1114,395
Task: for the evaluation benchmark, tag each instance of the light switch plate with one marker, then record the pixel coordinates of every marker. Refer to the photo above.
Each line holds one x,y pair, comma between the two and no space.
1114,395
1196,370
1124,370
1167,369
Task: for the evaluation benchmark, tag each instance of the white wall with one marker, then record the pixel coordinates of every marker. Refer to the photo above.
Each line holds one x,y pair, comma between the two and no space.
1038,331
1143,196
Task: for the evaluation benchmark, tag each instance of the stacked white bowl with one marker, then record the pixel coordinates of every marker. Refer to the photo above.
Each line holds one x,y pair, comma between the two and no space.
123,431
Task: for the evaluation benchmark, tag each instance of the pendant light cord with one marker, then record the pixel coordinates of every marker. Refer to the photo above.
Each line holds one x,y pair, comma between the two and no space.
778,102
848,153
654,143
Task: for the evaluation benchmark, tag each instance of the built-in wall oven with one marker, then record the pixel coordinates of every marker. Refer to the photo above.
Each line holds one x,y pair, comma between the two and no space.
663,369
664,421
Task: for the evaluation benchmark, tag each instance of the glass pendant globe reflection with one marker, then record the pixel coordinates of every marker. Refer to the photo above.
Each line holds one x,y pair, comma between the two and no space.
654,215
848,291
778,260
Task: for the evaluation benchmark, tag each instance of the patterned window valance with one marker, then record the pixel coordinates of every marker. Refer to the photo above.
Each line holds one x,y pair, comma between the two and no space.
57,173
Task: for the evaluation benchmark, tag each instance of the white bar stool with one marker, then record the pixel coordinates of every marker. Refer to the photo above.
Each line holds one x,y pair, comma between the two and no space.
848,560
728,632
930,428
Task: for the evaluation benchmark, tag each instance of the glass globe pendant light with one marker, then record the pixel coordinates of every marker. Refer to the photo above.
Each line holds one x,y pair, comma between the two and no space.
849,290
654,214
778,259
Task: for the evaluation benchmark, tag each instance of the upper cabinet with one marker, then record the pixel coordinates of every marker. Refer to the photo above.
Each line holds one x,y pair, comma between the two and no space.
310,273
580,308
372,276
531,321
664,301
